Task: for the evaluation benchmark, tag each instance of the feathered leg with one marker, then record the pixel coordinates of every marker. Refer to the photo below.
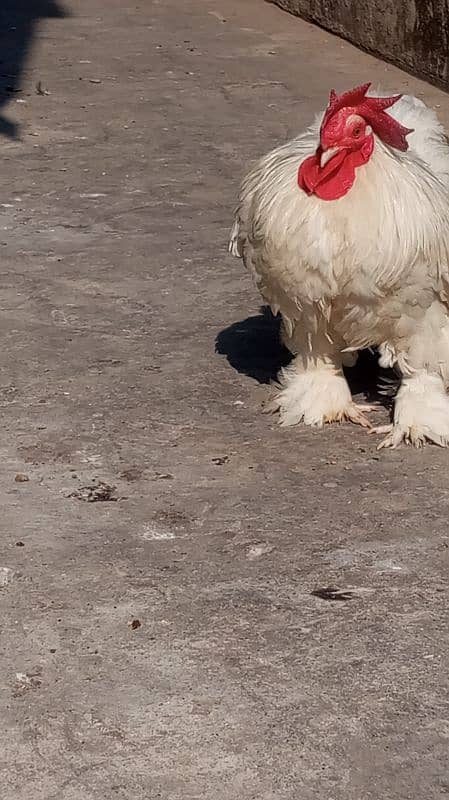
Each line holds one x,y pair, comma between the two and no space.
313,388
421,411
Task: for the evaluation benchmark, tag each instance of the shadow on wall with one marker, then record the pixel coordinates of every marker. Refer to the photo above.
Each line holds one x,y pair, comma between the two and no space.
18,23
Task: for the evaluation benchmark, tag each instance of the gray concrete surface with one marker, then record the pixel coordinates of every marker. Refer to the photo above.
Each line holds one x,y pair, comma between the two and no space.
115,285
413,34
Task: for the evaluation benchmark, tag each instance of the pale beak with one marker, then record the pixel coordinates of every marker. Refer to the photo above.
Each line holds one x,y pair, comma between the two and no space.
327,155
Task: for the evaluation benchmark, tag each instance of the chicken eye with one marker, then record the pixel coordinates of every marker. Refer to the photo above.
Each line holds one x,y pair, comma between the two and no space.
357,131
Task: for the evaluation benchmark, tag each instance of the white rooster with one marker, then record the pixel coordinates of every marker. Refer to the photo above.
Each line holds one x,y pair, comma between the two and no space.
345,230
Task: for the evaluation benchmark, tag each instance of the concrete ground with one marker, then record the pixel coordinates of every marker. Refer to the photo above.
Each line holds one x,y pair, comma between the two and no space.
166,642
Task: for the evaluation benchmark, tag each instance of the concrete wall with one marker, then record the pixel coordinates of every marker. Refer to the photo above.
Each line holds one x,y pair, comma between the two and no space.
414,34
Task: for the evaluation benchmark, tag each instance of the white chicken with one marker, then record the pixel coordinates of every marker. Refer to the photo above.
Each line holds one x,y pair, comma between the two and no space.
345,230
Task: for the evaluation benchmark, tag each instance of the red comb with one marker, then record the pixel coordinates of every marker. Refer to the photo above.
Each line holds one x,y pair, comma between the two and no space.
348,99
372,109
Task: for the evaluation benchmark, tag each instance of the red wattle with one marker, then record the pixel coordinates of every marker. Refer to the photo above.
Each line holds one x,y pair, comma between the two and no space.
335,179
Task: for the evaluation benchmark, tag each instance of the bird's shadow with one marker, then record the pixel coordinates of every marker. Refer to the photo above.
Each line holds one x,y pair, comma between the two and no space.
253,347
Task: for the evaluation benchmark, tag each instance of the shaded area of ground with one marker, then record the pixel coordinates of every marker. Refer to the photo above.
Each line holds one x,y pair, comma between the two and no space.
165,546
19,20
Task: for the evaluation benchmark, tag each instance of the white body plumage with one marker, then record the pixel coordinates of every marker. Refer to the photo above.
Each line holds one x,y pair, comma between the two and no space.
370,268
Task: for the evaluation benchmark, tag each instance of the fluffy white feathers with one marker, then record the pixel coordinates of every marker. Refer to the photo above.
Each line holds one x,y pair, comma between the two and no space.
371,268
